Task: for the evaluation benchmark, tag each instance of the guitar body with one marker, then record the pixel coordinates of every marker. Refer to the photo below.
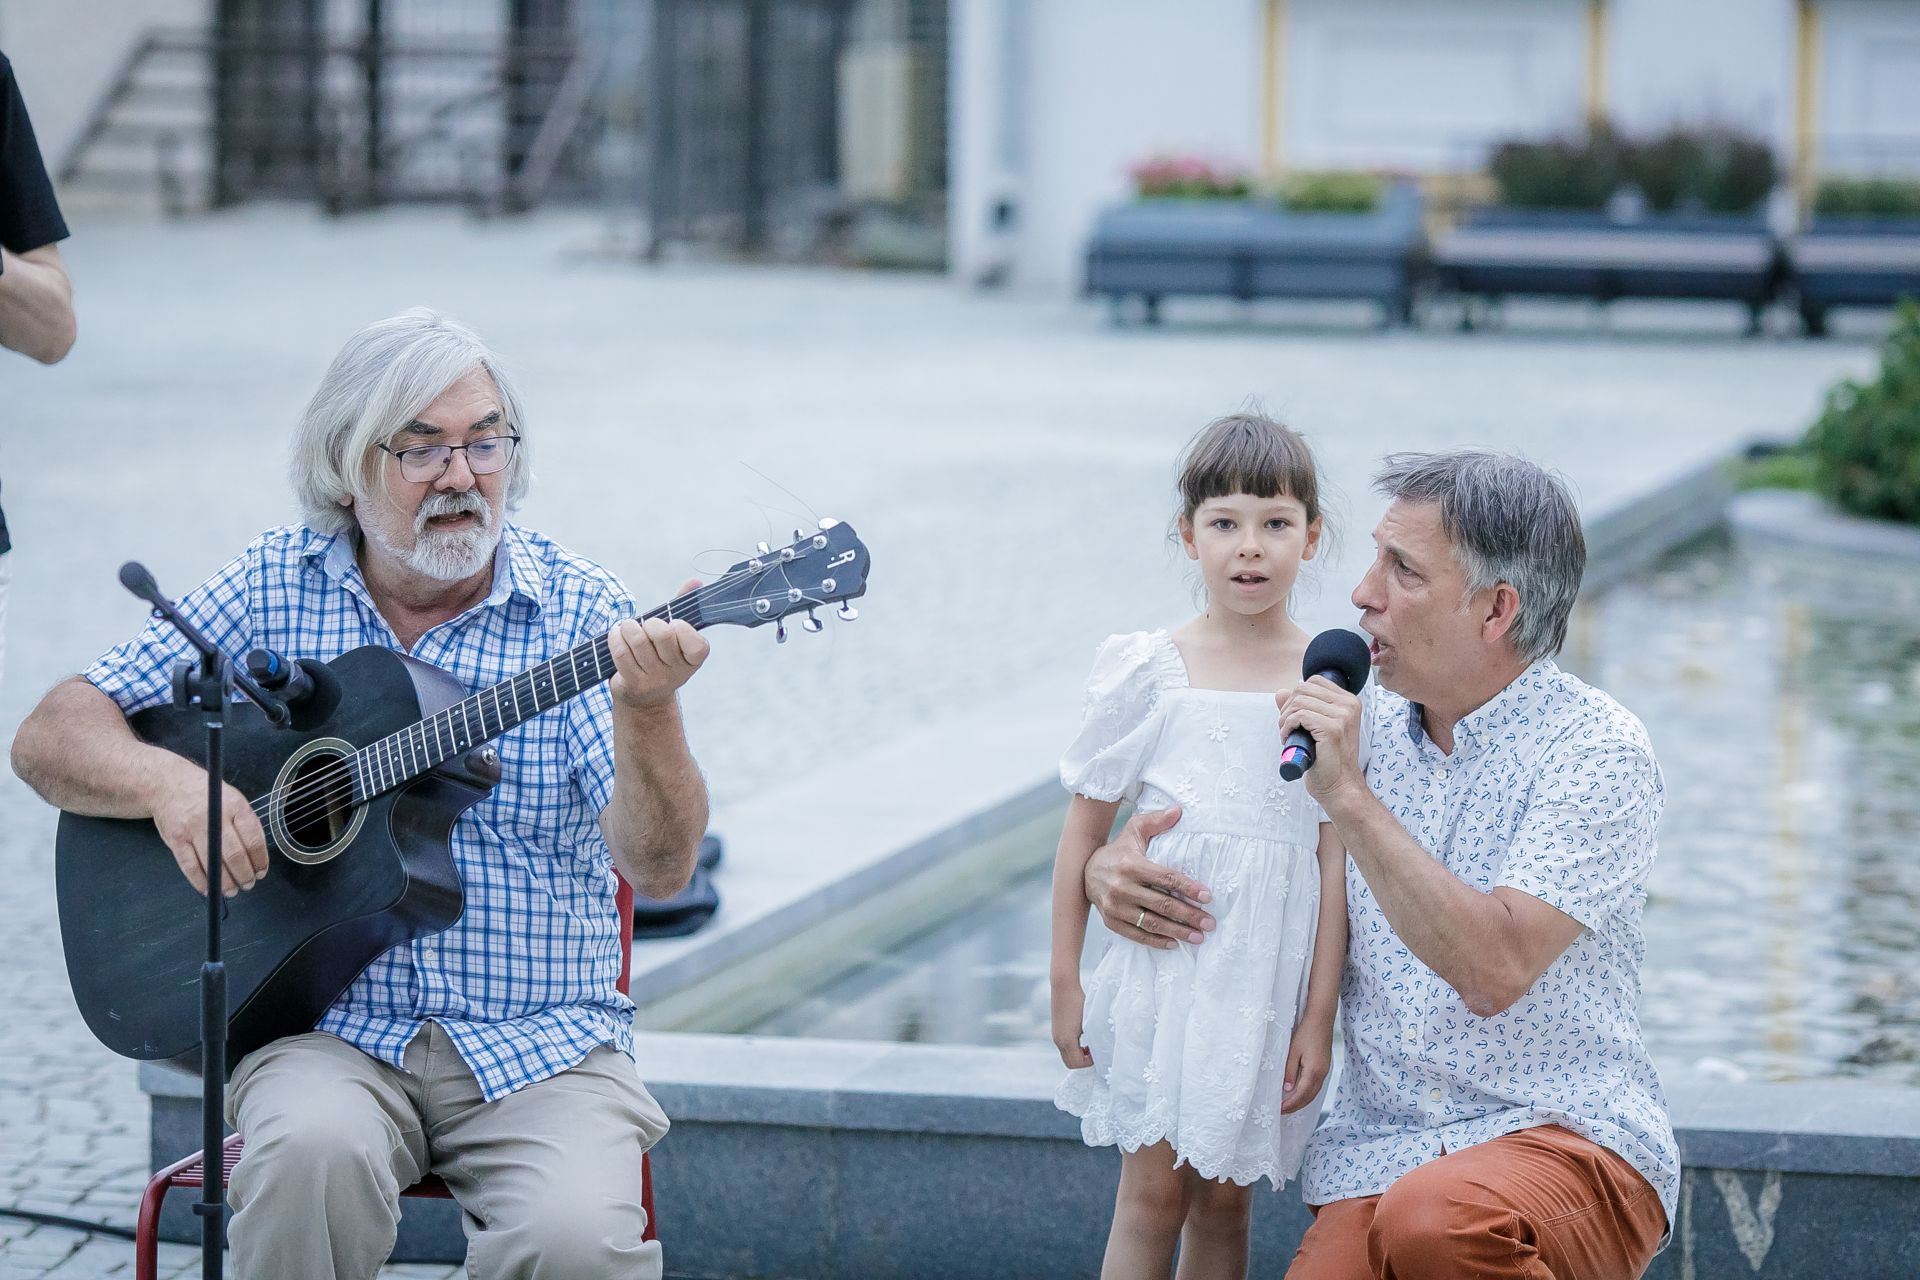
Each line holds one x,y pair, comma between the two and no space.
134,930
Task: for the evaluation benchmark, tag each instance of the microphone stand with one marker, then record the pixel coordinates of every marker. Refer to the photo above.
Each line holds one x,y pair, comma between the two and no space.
208,690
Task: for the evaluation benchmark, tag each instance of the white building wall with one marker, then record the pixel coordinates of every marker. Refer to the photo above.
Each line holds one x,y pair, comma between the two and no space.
1399,84
1703,62
1869,86
65,53
1097,85
1054,99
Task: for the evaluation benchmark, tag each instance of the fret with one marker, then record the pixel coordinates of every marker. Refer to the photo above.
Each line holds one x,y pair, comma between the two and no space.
402,755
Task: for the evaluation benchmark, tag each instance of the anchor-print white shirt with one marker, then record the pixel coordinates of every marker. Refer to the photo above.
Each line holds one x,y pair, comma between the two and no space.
1551,789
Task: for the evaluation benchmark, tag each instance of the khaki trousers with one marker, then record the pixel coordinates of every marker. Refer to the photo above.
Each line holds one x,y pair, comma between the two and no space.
1540,1204
547,1178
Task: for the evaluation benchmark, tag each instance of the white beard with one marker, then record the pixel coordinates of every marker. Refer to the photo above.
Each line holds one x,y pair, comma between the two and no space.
445,556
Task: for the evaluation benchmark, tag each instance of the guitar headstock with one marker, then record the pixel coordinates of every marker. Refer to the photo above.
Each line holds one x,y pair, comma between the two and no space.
828,566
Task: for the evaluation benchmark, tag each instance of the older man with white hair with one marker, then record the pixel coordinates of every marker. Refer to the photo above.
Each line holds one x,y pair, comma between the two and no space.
1497,1114
498,1053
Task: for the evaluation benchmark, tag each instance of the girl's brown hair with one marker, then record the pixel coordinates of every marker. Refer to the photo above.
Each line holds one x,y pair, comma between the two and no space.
1248,453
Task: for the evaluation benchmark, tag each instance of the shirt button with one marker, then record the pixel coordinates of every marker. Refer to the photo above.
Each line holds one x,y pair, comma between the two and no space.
1436,1095
1411,1034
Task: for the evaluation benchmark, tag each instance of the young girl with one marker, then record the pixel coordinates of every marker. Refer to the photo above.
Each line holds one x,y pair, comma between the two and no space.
1203,1063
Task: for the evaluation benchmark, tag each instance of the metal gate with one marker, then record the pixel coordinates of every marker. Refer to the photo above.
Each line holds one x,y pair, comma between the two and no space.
742,116
361,102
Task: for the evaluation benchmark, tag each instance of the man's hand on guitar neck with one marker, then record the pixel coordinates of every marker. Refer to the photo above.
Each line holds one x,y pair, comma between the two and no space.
179,793
652,659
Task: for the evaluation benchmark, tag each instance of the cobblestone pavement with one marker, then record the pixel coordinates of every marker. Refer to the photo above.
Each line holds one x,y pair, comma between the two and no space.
1008,458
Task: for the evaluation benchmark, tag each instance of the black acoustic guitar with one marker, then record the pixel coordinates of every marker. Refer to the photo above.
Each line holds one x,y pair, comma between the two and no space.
358,810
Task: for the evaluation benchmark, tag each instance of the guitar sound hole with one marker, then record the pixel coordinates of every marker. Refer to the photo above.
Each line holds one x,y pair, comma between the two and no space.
321,808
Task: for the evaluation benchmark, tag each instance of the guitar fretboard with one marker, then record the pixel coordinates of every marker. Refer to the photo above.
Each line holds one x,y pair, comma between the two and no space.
400,757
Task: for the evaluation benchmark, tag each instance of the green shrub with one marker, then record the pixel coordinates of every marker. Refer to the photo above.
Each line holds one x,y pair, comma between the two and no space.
1868,439
1574,172
1868,198
1792,468
1713,169
1331,192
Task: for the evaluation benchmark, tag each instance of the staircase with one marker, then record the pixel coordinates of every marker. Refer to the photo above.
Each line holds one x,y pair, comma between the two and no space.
150,137
191,121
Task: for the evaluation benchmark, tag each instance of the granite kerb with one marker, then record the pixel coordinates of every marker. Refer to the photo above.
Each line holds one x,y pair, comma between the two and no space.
1820,1127
1794,517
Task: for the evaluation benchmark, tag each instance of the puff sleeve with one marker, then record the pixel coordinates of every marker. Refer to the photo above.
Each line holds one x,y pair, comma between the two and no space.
1119,723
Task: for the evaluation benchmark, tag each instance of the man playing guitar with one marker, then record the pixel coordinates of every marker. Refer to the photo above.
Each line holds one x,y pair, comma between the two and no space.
498,1053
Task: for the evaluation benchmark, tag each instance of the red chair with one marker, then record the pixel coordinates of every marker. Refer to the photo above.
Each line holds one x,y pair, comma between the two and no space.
191,1172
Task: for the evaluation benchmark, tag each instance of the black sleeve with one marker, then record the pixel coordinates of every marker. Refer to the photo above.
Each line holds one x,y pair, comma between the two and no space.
29,216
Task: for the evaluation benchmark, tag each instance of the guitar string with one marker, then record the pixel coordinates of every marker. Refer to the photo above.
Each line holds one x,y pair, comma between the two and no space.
317,785
320,784
313,794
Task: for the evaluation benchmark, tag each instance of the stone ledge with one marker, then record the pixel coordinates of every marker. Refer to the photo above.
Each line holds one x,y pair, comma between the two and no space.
1797,518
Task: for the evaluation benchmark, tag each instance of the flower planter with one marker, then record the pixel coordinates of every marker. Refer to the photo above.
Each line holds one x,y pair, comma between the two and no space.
1853,262
1573,253
1248,249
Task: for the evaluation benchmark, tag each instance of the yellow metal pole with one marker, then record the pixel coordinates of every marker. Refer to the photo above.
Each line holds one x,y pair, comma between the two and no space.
1806,104
1596,61
1272,99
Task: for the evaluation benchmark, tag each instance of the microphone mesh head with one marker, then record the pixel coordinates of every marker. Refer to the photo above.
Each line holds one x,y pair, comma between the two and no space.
1340,655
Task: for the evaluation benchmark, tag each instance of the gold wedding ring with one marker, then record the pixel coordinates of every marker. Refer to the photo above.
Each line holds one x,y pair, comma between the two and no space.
1140,923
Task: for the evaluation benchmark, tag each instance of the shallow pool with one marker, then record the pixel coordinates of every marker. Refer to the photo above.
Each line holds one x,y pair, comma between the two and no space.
1781,688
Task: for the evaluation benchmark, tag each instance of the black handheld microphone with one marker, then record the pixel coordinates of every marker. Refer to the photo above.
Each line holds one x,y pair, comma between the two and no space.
1342,657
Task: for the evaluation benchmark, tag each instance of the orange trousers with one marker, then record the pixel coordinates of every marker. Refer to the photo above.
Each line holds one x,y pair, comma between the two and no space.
1540,1204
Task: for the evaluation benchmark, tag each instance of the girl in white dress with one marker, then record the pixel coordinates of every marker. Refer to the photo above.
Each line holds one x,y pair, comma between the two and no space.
1203,1063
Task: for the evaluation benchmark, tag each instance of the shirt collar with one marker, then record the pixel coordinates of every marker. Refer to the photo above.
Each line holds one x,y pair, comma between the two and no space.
1486,721
514,570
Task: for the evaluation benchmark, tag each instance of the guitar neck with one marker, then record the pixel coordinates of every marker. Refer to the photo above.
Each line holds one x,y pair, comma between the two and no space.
401,757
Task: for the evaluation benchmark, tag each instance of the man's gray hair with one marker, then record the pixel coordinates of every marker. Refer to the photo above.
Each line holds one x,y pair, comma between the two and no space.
1509,520
384,376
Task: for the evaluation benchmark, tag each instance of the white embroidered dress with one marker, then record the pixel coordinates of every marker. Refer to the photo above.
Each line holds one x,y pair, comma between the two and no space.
1189,1045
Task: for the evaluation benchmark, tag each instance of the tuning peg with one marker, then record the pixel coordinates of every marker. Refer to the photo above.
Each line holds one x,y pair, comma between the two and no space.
780,632
812,624
797,535
763,548
847,612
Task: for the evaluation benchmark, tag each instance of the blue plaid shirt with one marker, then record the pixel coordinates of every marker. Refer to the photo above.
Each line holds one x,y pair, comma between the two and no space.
524,981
